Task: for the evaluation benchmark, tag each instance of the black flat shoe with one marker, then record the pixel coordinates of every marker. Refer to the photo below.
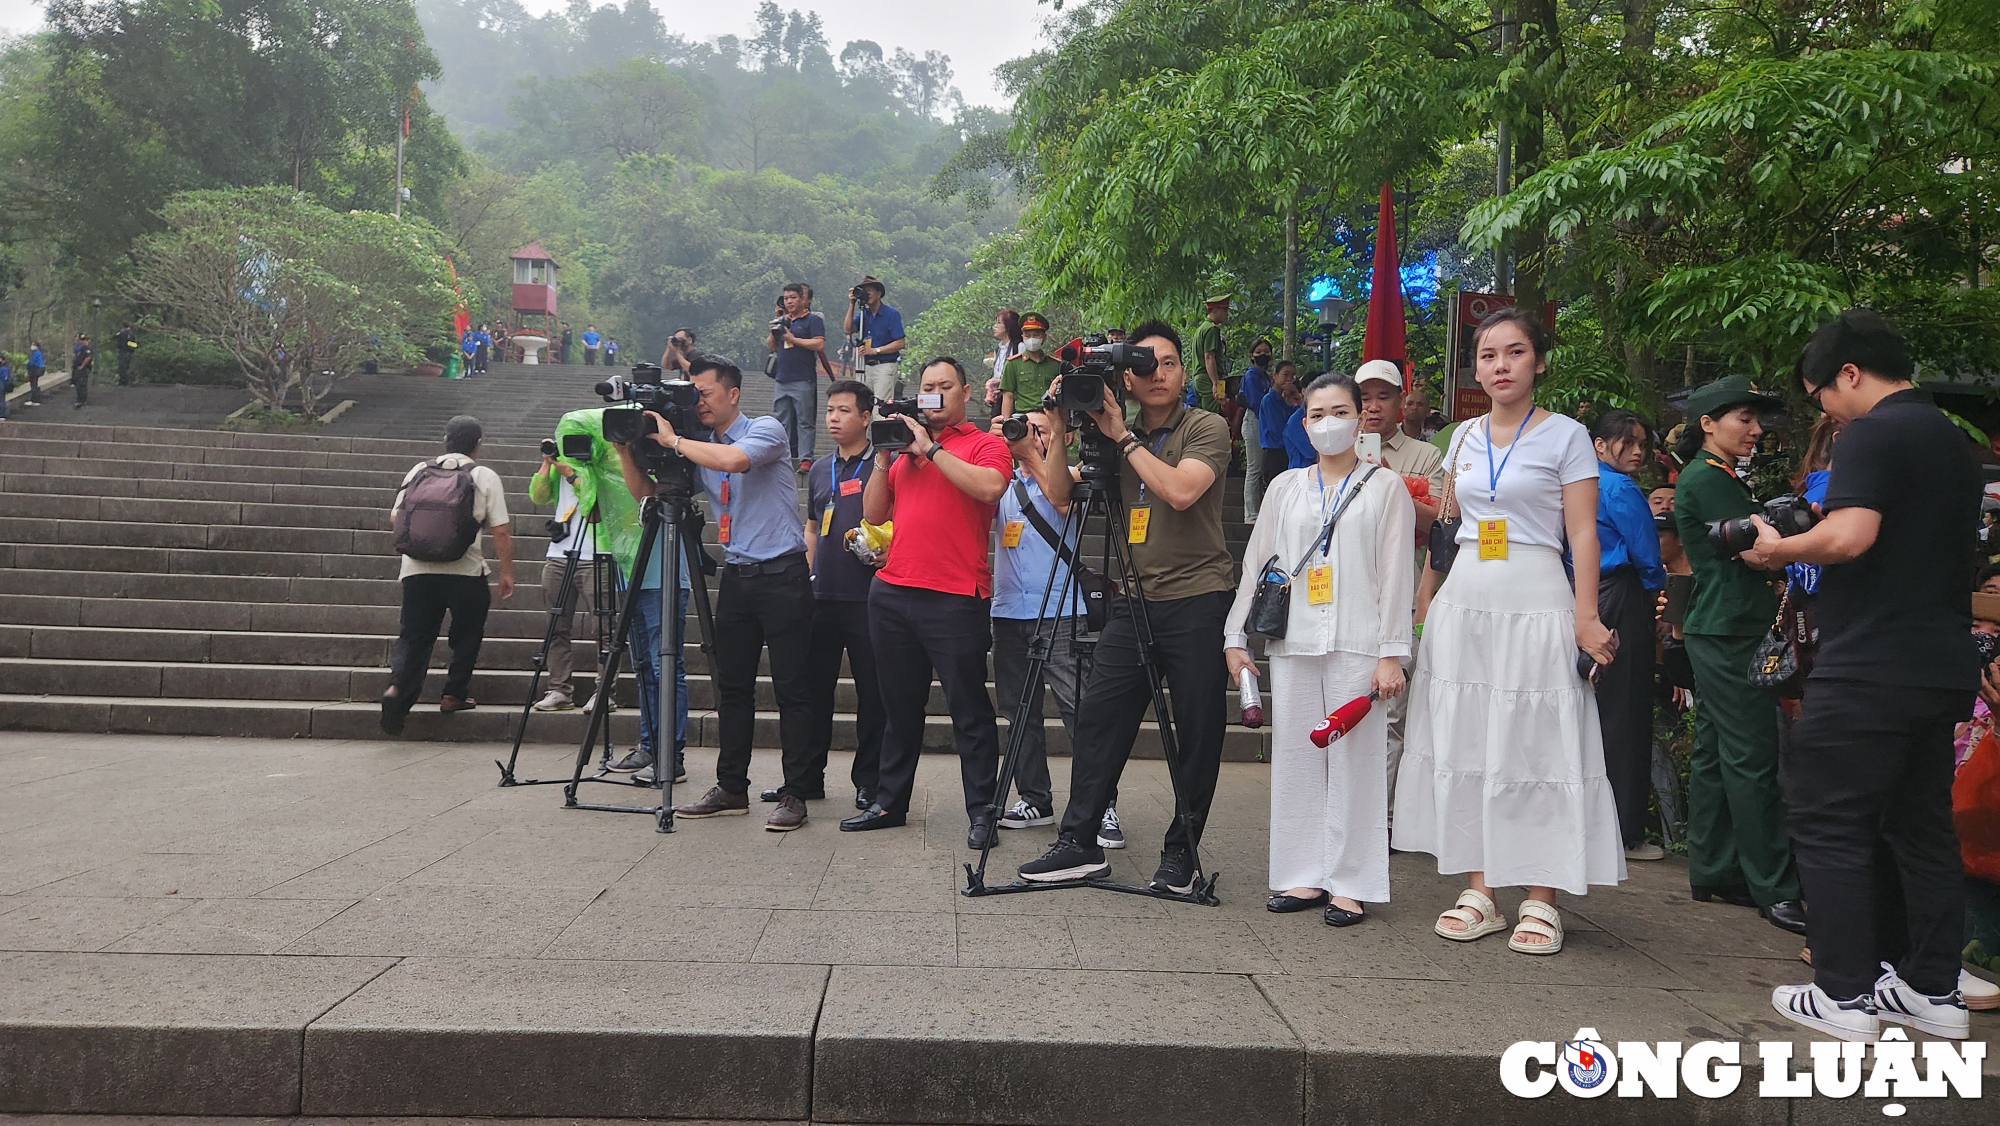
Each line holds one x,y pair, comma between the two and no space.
1342,917
1284,904
1787,914
863,798
874,817
1735,897
981,836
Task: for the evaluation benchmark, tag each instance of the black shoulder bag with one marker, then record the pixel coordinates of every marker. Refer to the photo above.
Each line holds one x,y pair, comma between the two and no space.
1093,586
1271,605
1443,538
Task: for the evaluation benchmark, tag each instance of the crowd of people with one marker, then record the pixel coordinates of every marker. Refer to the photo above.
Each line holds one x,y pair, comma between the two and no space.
1501,603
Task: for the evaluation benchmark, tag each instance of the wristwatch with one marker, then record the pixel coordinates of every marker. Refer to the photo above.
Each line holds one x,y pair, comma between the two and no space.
931,454
677,443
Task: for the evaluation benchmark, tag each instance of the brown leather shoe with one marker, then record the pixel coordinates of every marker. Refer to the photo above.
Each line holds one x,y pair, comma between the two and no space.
717,802
790,814
454,704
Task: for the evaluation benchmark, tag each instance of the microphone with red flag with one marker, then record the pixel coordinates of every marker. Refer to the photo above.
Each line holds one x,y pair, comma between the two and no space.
1343,720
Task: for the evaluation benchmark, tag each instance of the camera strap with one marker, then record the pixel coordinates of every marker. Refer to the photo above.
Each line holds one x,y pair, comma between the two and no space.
1042,526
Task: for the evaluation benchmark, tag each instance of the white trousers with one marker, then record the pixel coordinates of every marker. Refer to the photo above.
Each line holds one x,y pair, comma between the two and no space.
1329,807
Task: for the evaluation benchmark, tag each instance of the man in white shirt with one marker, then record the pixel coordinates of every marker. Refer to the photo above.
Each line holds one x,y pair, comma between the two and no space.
457,585
580,533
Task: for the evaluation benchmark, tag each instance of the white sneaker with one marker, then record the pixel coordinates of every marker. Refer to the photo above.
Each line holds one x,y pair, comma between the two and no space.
1844,1020
1109,835
1898,1003
1025,816
592,703
1646,851
555,701
1977,992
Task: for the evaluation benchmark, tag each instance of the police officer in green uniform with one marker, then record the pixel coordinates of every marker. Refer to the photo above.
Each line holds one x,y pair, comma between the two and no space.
1738,850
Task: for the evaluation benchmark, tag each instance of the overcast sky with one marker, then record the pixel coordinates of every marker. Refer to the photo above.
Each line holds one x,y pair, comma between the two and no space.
978,34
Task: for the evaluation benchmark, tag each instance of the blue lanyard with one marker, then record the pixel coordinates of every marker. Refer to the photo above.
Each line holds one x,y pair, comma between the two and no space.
1157,443
833,472
1492,474
1320,479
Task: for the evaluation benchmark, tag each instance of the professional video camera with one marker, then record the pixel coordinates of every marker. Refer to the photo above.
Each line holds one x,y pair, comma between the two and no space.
1788,515
1090,364
889,435
626,424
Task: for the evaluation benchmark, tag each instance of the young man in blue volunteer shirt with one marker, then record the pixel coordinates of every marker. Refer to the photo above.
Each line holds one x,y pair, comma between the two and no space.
798,336
590,342
834,493
468,347
36,365
483,350
765,595
881,332
1026,528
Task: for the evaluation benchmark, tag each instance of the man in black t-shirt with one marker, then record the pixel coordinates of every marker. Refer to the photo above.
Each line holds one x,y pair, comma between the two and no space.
798,338
834,488
1867,773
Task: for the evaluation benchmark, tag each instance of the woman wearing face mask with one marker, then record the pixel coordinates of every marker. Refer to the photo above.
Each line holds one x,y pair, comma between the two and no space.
1503,765
1347,635
1738,848
1006,345
1629,579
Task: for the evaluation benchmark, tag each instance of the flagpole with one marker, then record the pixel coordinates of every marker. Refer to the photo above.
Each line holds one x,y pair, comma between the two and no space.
399,173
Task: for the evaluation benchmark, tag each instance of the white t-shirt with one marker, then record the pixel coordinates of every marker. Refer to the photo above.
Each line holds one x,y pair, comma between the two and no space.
1554,452
489,507
578,526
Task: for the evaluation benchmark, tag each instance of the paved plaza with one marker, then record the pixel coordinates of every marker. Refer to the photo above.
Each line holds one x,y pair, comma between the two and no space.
258,927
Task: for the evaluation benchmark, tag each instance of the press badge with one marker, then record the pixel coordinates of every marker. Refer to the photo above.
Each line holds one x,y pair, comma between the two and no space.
1139,518
1493,539
826,521
1319,585
722,528
1010,534
850,487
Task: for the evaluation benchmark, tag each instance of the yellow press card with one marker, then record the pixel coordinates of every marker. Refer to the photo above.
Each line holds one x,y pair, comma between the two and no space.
826,521
1010,534
1319,585
1493,539
1136,528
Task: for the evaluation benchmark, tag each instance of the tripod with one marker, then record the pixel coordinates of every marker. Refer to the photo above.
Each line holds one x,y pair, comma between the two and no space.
1096,494
669,516
561,611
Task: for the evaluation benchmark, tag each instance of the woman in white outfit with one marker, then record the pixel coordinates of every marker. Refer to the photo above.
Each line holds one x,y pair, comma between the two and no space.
1348,634
1503,770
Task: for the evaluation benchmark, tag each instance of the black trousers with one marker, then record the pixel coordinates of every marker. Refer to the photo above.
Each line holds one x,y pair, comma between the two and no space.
1276,461
917,632
842,627
426,598
752,612
1625,699
1187,645
124,366
81,381
34,384
1867,781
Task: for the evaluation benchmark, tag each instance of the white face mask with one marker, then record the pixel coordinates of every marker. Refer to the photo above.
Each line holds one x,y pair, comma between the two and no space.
1031,344
1332,436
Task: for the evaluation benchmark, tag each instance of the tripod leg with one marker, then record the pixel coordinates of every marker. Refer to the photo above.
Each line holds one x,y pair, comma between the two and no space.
557,613
607,672
665,705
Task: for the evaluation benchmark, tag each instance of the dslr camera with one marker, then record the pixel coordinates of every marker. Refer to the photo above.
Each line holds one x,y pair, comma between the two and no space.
1789,515
889,435
647,389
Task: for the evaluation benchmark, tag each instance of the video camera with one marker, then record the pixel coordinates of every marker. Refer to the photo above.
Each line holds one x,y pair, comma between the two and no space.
888,435
1089,364
626,424
1788,515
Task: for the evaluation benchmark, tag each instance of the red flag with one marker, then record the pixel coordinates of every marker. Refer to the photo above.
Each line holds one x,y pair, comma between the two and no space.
1383,339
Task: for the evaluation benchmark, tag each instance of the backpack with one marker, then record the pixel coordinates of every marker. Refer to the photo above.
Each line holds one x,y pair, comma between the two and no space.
435,523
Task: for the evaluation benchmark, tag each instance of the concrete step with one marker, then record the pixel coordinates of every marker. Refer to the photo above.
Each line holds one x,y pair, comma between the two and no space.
16,448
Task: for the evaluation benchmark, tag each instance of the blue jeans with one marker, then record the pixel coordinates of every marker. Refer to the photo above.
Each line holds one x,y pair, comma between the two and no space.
797,406
645,647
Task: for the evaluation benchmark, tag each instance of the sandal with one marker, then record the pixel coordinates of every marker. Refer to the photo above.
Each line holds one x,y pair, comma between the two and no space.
1540,920
1477,912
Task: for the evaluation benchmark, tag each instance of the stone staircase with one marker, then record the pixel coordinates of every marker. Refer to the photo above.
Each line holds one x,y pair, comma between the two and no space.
209,582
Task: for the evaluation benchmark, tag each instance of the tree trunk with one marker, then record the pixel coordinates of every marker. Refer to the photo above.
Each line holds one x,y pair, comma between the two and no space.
1291,278
1539,45
1641,25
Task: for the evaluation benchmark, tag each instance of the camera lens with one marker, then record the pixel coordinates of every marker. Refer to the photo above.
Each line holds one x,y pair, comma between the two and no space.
549,448
1014,427
1731,538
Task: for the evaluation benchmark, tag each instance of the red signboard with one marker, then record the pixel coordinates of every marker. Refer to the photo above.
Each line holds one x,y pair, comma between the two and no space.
1464,397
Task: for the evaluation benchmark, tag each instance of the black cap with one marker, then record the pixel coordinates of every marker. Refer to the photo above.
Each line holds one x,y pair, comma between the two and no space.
1859,337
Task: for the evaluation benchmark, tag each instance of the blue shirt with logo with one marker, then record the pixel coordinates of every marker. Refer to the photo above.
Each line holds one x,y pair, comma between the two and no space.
1021,572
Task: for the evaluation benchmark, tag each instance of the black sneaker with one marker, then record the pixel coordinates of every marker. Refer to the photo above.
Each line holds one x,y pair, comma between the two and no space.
1177,872
635,760
392,715
1068,860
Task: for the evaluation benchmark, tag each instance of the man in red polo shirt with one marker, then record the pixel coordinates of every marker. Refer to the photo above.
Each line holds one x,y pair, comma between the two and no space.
929,607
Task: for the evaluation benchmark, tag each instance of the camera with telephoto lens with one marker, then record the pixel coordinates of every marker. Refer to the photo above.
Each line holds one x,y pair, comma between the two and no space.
888,434
1787,515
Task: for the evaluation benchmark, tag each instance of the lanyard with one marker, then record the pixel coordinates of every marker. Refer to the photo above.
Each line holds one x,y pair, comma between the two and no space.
833,472
1319,478
1157,443
1493,475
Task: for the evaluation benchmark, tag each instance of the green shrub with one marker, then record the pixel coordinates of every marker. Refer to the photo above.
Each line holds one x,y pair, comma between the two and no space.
167,359
259,417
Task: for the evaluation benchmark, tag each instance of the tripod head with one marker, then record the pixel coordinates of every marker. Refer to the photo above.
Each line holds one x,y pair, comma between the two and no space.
1097,468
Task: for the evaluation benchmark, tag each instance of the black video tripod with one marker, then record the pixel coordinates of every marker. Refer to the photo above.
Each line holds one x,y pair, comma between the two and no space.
1096,494
671,518
562,610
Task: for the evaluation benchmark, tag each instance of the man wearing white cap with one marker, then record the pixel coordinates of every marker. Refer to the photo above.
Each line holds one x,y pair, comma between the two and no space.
1422,466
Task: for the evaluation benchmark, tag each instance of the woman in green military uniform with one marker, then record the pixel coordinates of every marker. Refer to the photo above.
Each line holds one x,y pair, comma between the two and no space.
1738,850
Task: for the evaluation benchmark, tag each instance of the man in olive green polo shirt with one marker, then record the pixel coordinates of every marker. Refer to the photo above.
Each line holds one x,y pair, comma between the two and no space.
1026,378
1173,465
1738,847
1208,364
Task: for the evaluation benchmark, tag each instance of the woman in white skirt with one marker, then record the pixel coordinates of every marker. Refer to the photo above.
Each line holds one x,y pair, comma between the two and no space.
1348,634
1503,769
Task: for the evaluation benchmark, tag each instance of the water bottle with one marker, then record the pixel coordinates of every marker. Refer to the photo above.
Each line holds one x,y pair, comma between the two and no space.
1253,701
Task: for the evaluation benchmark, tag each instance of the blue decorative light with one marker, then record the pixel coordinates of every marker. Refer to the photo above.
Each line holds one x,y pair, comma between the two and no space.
1419,281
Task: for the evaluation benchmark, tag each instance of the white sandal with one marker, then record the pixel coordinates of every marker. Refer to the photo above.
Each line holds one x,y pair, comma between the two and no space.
1479,914
1541,920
